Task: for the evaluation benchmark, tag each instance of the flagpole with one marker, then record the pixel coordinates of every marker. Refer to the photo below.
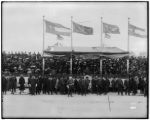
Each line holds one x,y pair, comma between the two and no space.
128,35
101,32
101,45
71,48
128,48
43,48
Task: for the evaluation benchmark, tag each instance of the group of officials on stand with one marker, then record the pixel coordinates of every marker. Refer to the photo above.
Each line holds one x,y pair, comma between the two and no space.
81,85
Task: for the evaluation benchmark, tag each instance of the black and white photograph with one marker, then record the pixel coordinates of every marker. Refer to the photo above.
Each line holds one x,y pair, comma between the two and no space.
74,59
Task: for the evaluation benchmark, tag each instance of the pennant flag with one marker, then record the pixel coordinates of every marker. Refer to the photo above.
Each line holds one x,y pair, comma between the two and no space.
82,29
108,28
57,29
136,31
59,37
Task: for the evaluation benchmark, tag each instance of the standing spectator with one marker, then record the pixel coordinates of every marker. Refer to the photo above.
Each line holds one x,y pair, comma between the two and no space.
94,85
56,85
127,87
29,84
62,85
90,86
135,85
22,82
87,81
141,85
100,85
4,84
13,83
8,83
39,85
119,86
113,84
145,87
76,85
70,84
106,86
50,85
33,85
80,85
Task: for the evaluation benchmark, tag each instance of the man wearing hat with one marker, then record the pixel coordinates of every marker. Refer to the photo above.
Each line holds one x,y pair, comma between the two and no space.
33,85
4,84
13,83
21,82
70,84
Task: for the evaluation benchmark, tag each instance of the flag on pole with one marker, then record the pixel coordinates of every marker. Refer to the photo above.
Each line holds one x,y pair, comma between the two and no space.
110,29
57,29
59,37
82,29
107,36
57,44
136,31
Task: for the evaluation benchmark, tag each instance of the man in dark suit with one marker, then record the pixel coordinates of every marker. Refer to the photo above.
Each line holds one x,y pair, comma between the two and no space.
127,87
21,82
33,85
29,84
119,86
39,85
13,83
56,84
4,84
50,85
84,86
145,87
88,85
44,84
62,85
135,85
113,84
94,85
100,85
106,86
76,85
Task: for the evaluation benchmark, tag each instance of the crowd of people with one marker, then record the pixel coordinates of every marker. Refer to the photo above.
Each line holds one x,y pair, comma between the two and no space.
23,63
48,84
56,79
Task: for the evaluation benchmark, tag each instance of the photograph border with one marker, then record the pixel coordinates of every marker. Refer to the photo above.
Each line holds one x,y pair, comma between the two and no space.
147,2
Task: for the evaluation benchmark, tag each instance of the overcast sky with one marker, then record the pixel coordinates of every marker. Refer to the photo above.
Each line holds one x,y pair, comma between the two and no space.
23,24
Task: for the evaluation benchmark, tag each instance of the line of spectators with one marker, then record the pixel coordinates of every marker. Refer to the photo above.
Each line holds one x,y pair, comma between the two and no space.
23,63
81,85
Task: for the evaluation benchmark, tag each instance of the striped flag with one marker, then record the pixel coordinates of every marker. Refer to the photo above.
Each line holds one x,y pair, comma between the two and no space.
57,29
107,36
59,37
110,29
82,29
136,31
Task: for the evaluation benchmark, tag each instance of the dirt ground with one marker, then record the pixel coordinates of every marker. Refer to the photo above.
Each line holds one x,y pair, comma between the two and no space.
62,106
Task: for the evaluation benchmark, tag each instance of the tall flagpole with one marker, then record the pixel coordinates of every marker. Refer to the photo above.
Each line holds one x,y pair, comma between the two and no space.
128,35
43,49
101,45
71,48
128,46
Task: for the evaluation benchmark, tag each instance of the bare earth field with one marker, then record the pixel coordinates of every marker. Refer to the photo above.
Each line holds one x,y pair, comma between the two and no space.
61,106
